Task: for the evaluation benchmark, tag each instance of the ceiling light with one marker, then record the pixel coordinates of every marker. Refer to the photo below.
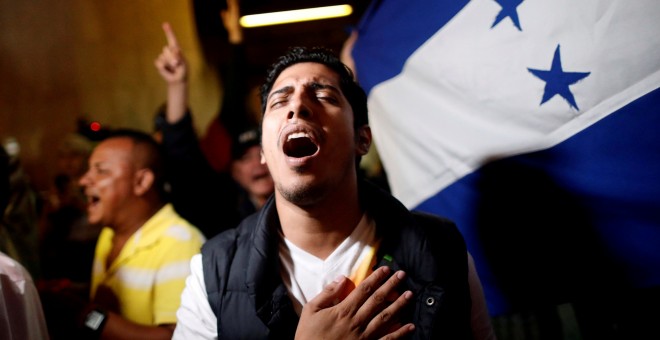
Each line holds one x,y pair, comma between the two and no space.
298,15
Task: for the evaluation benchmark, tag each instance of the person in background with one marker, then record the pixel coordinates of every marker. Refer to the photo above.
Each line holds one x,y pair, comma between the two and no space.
21,314
241,117
329,254
240,107
143,252
20,236
249,173
67,238
214,201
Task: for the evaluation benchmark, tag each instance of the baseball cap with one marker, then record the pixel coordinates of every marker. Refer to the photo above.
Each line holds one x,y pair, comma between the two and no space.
245,140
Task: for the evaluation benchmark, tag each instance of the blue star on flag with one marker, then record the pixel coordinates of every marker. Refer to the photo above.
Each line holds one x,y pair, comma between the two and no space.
508,10
557,81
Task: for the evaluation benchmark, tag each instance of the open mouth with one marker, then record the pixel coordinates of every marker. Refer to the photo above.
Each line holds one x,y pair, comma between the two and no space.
92,200
300,145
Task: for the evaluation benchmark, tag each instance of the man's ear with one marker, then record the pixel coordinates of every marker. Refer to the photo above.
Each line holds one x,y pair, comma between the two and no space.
363,140
143,181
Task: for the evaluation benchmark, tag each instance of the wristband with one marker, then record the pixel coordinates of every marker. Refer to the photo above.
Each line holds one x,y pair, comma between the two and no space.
94,322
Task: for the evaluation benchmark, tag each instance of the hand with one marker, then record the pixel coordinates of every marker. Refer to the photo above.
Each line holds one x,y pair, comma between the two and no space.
170,63
230,19
368,312
346,55
106,298
63,308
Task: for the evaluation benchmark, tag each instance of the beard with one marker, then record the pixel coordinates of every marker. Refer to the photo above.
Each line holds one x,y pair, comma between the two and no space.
307,191
302,194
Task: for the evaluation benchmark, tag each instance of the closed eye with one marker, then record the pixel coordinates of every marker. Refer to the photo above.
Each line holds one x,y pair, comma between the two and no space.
331,100
326,93
277,103
100,169
279,96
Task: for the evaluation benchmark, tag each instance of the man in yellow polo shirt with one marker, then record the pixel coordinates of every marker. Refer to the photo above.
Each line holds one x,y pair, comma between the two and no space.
143,253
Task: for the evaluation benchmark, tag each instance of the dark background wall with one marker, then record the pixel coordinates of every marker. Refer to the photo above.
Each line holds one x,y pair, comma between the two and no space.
69,59
65,59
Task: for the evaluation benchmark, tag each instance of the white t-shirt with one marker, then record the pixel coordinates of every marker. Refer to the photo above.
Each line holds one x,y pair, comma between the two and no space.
305,276
21,313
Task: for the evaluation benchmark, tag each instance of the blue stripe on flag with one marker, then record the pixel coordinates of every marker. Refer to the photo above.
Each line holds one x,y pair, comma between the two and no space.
390,36
574,220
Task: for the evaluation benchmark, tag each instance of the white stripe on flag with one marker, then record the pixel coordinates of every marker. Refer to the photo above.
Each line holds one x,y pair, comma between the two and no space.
466,96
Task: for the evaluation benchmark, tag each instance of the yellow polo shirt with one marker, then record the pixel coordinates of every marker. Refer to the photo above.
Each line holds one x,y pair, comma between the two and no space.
149,274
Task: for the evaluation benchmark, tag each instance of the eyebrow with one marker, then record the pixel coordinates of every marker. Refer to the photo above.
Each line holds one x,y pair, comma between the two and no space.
96,165
281,90
312,85
317,86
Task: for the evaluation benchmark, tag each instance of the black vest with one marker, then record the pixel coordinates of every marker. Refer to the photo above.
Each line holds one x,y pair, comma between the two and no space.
246,293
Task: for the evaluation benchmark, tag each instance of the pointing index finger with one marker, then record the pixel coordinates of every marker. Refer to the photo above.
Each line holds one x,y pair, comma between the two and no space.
169,34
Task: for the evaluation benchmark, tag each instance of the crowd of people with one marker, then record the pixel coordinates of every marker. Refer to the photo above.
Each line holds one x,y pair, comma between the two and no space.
266,227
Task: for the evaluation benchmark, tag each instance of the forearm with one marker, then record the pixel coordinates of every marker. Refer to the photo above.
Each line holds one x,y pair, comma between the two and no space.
195,318
177,101
118,328
235,36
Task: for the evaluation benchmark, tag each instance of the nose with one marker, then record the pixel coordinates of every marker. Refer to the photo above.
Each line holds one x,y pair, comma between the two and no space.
254,158
300,106
84,179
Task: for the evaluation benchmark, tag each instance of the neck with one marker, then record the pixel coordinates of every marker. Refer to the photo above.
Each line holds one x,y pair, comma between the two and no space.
320,228
139,213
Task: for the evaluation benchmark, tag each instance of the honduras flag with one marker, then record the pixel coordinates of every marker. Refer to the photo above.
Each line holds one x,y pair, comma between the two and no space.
534,125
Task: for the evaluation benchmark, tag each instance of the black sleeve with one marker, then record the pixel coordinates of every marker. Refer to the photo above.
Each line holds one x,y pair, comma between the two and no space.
202,196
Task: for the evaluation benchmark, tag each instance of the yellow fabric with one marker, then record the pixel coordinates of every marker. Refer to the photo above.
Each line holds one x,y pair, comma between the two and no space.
365,268
149,274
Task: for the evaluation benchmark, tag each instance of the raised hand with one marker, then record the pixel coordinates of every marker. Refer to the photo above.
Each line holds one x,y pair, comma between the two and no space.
370,311
173,68
171,63
230,19
346,54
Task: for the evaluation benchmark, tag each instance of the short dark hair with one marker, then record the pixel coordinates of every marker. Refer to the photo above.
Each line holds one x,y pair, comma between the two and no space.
353,92
151,152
